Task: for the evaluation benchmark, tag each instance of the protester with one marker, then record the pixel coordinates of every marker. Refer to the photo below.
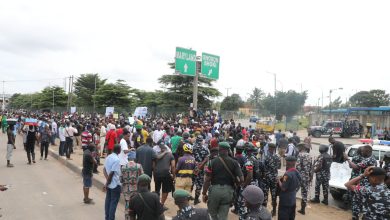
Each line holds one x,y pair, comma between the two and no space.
124,147
88,163
130,173
44,137
61,135
164,172
112,172
32,136
145,156
10,144
111,139
69,135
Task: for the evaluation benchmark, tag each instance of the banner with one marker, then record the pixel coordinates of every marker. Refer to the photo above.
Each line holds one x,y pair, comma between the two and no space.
31,121
109,111
141,112
72,110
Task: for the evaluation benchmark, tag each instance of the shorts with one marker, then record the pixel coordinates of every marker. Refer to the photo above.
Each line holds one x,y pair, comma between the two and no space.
184,183
87,181
166,182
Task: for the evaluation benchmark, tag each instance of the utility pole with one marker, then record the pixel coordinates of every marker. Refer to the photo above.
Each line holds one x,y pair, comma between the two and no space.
68,105
195,90
227,91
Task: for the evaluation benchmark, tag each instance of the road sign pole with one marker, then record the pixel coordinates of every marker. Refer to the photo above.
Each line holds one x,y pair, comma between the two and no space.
195,92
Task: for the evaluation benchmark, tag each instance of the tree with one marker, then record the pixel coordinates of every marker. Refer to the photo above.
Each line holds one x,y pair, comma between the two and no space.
372,98
84,88
179,90
232,103
52,95
117,94
287,103
255,99
335,104
20,101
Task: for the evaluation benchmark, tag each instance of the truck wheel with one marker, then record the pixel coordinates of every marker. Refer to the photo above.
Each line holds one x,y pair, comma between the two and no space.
317,134
337,195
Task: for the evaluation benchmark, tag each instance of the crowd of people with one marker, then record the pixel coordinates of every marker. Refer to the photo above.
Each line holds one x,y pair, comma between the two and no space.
225,164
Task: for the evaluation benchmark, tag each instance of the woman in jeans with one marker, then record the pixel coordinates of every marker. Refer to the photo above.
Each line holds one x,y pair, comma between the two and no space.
45,140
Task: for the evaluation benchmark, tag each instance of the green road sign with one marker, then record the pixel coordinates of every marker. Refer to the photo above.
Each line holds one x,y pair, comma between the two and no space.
210,66
185,61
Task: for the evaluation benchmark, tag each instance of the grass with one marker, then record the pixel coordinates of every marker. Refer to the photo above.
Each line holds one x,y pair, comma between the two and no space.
295,125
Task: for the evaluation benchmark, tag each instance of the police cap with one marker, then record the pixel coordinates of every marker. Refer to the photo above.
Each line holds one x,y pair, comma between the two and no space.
291,159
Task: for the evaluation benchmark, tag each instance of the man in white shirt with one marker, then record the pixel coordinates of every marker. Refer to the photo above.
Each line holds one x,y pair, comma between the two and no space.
290,148
157,148
69,135
103,132
61,134
124,148
53,132
158,134
112,172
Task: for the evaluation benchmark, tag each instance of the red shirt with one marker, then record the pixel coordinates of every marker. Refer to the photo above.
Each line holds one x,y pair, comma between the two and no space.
111,137
214,142
119,132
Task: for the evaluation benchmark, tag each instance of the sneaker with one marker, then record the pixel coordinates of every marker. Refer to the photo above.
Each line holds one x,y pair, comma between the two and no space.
10,165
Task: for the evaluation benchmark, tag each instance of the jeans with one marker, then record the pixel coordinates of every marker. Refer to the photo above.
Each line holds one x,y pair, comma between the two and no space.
68,146
44,147
112,199
62,148
53,138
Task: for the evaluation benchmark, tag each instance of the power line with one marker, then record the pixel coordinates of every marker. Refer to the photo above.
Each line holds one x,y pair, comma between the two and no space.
32,80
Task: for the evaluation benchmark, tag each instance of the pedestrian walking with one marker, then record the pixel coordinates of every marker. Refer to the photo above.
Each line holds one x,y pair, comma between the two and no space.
88,164
103,132
221,175
44,138
271,165
289,185
54,129
32,136
145,205
304,167
130,173
10,144
61,135
186,211
112,172
185,169
145,156
322,170
254,198
164,172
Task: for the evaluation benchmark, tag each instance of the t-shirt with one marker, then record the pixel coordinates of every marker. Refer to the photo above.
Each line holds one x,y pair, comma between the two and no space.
111,137
86,139
112,165
186,166
87,163
122,156
175,140
163,165
145,135
145,156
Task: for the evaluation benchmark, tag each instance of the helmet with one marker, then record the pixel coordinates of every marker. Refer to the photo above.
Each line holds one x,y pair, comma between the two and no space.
199,138
186,135
249,146
187,148
323,148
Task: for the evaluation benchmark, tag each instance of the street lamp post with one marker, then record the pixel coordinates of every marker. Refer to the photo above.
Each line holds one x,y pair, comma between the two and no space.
330,99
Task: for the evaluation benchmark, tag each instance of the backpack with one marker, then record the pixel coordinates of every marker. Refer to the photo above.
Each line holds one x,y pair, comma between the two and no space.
295,152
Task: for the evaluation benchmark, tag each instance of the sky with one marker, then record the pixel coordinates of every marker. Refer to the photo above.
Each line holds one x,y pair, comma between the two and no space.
309,45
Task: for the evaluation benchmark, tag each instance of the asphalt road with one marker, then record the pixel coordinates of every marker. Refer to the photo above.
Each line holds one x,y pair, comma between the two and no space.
45,191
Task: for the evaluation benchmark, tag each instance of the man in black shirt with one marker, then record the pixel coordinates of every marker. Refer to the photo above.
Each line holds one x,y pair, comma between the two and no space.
145,205
222,173
88,164
338,150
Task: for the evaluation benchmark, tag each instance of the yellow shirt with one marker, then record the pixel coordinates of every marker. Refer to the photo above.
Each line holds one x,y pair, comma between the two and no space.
145,134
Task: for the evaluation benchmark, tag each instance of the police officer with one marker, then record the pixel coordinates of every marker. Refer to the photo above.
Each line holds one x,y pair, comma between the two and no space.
359,165
201,157
222,173
322,171
241,159
250,176
271,164
385,163
254,197
353,199
186,211
304,163
289,185
375,196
